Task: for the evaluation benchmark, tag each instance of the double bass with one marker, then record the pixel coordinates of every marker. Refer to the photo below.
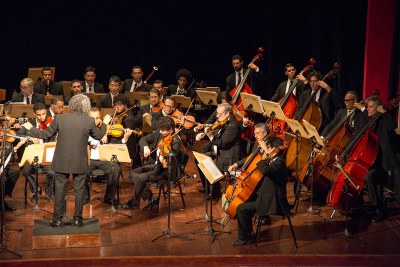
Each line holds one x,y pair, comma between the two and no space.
289,104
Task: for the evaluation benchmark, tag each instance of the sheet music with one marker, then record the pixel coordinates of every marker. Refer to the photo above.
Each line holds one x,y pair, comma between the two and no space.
49,154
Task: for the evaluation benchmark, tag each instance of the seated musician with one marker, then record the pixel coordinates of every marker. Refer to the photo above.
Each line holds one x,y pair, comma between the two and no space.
159,85
168,109
183,78
76,89
271,198
56,107
154,106
108,100
40,122
154,146
112,171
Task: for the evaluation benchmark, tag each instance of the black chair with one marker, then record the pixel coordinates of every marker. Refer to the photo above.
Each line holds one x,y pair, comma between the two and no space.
93,175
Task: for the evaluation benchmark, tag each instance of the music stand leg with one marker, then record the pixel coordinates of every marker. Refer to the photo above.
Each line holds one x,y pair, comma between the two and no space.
36,208
168,231
311,208
112,208
346,230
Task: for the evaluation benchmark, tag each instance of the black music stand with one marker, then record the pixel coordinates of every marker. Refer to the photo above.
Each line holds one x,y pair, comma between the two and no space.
169,232
3,247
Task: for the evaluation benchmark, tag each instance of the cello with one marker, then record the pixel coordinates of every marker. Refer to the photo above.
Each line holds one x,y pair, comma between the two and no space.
289,104
247,181
310,112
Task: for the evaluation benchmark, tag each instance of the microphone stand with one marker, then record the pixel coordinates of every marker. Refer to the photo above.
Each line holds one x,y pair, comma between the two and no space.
169,231
36,166
3,247
313,143
112,208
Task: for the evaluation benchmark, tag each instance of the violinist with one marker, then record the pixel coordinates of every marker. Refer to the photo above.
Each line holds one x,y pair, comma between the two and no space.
283,88
156,146
234,79
168,109
76,89
108,100
326,97
136,83
40,122
56,107
386,159
154,106
224,143
159,85
271,198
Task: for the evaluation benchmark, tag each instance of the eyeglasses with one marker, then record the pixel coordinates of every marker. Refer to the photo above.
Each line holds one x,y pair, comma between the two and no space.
168,106
348,100
220,114
24,87
76,86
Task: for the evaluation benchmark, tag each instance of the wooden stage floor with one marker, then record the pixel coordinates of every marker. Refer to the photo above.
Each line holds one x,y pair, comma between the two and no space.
126,241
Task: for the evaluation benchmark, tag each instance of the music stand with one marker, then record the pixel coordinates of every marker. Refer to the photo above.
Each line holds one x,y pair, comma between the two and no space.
107,111
252,103
48,98
21,111
115,153
208,97
36,74
138,98
315,139
95,98
181,102
1,109
146,125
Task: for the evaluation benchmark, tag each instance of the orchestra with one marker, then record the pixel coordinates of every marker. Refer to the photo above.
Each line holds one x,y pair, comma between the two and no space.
277,152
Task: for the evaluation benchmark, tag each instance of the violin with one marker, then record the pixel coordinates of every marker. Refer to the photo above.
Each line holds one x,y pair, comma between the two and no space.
10,136
219,124
46,123
187,121
158,107
117,130
165,147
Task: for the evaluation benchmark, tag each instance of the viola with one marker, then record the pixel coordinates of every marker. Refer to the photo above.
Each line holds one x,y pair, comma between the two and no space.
45,124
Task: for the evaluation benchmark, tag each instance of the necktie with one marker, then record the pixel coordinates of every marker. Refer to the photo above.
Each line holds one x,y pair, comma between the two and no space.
134,87
90,88
239,80
28,100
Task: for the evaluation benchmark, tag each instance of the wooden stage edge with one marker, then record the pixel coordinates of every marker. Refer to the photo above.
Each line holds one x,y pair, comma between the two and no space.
218,260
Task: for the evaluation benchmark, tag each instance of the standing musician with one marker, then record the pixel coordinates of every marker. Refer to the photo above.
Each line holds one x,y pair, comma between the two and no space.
136,84
183,78
271,198
283,88
107,101
56,107
156,146
224,143
42,121
71,153
326,97
235,78
386,159
76,89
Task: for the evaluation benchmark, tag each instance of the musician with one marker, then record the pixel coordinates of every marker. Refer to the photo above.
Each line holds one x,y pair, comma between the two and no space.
154,106
283,88
168,109
224,143
235,78
27,95
136,84
90,85
386,159
159,85
271,198
47,86
71,153
111,170
76,89
350,101
157,168
40,122
114,84
326,97
183,77
56,107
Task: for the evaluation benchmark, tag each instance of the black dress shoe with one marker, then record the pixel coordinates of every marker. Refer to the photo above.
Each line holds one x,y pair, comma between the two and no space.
152,203
131,204
202,190
109,201
78,222
266,220
7,207
55,223
240,242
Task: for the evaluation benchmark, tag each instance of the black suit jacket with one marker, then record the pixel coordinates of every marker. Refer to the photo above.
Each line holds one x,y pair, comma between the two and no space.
281,91
174,87
55,88
326,102
128,84
252,80
36,98
71,154
106,101
98,87
339,117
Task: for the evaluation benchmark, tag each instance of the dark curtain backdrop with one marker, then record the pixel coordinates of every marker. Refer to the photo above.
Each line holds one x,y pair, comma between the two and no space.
199,35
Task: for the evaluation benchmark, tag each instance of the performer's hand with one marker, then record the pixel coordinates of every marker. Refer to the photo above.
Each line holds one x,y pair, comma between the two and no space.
324,85
252,66
127,134
199,137
27,125
107,119
381,109
246,121
146,151
232,167
301,77
199,127
104,140
35,140
265,114
146,115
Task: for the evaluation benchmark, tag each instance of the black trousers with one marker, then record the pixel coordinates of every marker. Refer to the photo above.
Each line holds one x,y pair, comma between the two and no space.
61,180
112,172
11,178
244,214
141,176
29,173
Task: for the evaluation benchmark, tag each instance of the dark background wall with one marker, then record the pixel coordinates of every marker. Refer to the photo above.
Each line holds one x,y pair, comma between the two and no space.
198,35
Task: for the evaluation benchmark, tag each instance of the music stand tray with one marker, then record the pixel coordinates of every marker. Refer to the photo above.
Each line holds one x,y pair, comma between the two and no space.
44,152
21,111
48,98
312,132
273,108
137,97
208,97
119,150
181,101
252,103
95,98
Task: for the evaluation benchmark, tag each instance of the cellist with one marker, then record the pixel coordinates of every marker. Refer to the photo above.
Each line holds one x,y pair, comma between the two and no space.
272,195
